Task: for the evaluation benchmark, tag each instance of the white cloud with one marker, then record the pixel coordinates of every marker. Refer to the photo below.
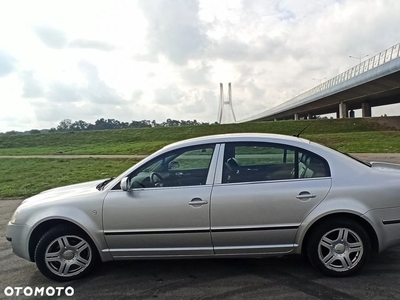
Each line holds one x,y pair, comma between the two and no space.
159,59
169,95
51,37
7,64
197,75
62,92
174,29
96,90
32,87
91,44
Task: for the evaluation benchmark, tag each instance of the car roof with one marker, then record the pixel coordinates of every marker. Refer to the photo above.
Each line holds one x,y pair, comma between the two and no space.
238,137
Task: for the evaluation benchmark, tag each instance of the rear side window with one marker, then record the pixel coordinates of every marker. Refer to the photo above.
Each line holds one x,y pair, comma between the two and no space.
311,165
249,162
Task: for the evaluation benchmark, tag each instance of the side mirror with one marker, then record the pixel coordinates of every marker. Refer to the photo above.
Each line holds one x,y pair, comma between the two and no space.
173,165
125,184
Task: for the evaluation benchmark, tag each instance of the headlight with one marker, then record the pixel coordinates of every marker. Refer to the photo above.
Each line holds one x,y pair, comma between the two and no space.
13,217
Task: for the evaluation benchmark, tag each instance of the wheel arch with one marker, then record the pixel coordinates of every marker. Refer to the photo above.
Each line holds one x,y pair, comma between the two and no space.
44,226
342,215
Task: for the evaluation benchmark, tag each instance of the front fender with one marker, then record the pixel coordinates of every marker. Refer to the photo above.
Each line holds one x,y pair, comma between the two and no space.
89,220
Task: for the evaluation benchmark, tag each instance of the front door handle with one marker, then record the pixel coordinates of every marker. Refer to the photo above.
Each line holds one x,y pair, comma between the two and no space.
305,195
197,202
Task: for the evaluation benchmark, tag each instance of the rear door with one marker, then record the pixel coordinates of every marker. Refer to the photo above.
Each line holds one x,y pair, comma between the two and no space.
259,207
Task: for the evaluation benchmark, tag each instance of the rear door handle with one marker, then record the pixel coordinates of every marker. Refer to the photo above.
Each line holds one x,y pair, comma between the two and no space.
197,202
305,195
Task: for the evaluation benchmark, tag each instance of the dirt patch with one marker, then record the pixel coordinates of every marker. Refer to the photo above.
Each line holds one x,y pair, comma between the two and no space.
389,123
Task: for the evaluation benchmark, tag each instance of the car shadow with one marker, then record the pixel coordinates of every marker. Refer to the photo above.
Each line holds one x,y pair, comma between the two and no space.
227,278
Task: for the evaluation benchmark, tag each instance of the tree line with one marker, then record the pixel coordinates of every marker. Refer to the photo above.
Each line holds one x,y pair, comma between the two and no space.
105,124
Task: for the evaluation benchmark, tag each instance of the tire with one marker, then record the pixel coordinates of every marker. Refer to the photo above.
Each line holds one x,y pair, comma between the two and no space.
65,253
339,248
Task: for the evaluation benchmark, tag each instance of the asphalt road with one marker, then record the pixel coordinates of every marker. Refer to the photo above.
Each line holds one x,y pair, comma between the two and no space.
268,278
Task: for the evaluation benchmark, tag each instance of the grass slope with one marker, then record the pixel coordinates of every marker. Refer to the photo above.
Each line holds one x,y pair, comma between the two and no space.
26,177
360,133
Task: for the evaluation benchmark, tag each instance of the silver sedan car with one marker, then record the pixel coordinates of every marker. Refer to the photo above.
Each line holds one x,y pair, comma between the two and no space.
234,195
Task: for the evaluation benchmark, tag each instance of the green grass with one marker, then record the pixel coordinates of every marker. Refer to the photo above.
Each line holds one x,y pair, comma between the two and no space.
360,142
147,140
25,177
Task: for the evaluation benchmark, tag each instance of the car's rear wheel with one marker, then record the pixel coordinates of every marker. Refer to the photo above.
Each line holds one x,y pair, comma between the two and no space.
339,247
65,253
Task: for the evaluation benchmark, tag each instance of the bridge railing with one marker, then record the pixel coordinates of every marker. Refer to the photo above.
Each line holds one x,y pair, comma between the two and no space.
369,64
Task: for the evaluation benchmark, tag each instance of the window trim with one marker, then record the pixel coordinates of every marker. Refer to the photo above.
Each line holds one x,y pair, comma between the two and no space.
211,166
271,181
285,147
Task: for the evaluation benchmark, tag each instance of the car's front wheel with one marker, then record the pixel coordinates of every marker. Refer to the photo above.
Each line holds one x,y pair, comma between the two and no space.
339,247
65,253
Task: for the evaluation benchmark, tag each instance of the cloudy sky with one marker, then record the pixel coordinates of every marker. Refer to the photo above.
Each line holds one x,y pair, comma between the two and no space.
159,59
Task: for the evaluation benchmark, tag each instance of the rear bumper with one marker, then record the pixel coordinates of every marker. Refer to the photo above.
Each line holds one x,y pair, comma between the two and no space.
387,225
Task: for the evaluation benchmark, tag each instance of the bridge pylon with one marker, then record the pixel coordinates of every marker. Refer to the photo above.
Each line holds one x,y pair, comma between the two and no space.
226,114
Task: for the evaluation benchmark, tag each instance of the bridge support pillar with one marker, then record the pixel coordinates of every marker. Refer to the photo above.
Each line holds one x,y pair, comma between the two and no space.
296,116
309,116
343,110
366,109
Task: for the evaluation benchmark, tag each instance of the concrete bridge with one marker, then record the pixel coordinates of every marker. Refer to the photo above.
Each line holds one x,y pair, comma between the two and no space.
374,82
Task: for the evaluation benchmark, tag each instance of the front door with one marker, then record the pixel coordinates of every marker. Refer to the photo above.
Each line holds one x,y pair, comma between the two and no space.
166,211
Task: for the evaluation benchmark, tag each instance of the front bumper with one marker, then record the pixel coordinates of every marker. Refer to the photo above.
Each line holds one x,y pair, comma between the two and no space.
18,236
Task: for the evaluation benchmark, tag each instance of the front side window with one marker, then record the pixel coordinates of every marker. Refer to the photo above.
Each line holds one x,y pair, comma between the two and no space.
249,162
183,167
